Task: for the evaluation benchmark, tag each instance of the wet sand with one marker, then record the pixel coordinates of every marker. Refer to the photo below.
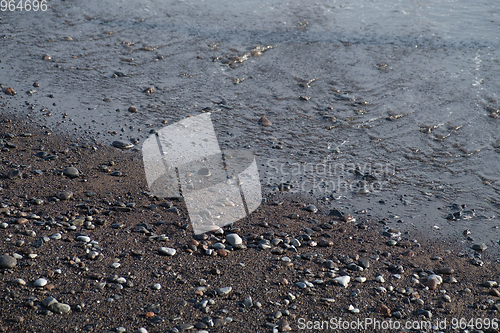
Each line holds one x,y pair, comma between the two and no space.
287,263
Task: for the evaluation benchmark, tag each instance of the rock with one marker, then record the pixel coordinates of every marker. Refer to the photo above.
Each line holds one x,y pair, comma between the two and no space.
14,173
384,310
234,239
7,261
47,302
84,239
223,291
490,284
311,208
431,283
20,282
9,91
301,285
343,280
438,279
122,144
479,247
71,172
360,279
446,270
167,251
41,282
248,303
66,195
494,292
132,109
284,326
60,308
264,121
156,286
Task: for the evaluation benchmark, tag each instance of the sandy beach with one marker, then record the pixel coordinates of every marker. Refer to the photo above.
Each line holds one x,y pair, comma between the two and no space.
93,250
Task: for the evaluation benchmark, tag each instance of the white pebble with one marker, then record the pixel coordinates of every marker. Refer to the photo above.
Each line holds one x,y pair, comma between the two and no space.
85,239
40,282
121,280
156,286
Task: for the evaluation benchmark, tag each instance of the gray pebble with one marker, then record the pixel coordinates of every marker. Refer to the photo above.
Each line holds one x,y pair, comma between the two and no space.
234,239
71,172
7,261
122,144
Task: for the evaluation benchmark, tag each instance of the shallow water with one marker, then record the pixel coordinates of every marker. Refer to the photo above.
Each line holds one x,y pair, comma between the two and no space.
431,65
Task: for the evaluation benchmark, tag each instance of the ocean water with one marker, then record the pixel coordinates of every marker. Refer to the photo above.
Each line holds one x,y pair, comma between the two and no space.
404,92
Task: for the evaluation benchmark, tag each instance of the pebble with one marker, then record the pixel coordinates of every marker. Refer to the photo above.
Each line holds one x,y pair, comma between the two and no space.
234,239
141,330
85,239
343,280
479,247
446,270
60,308
360,279
248,303
7,261
264,121
311,208
122,144
380,279
438,279
41,282
20,282
71,172
490,284
47,302
156,286
167,251
66,195
224,291
494,292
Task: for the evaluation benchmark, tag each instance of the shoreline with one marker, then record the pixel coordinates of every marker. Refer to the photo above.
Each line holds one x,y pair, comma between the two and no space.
289,266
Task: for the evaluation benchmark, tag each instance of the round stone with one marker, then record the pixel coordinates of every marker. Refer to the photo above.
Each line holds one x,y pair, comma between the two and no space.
71,172
234,239
41,282
156,286
7,261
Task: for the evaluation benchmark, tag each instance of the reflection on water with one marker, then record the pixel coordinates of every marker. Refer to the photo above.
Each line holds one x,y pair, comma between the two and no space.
413,85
